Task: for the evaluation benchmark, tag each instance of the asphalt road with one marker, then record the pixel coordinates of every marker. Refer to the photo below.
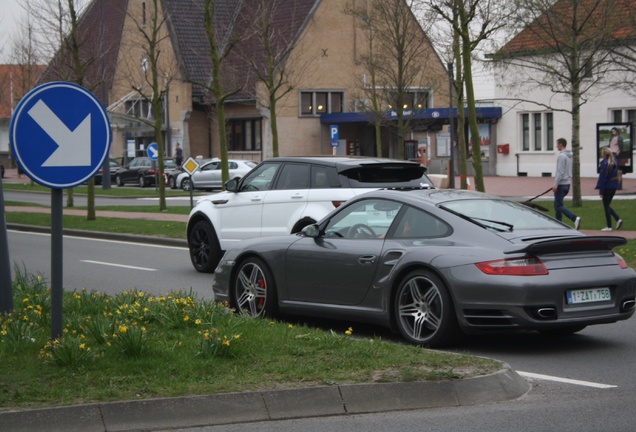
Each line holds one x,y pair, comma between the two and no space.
584,382
110,266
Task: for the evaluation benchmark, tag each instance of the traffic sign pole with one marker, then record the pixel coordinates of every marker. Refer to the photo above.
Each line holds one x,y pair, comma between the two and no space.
57,263
6,291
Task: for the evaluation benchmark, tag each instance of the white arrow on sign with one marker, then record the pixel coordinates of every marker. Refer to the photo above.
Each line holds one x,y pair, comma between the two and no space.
74,147
153,152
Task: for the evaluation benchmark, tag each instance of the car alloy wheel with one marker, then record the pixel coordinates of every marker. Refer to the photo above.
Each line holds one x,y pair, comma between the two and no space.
172,182
253,289
205,250
119,181
142,181
185,184
423,310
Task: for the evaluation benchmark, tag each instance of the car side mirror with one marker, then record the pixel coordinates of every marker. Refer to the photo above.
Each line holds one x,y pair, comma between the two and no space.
232,185
311,231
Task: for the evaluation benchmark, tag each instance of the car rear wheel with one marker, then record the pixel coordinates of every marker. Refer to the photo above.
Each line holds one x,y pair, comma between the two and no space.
119,181
142,181
205,250
172,182
253,289
424,311
186,184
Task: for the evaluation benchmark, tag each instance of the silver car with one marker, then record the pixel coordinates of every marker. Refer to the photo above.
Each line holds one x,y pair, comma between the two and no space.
435,265
208,176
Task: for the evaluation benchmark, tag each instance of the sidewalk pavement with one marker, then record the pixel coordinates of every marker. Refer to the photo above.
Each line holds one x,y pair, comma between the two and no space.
209,410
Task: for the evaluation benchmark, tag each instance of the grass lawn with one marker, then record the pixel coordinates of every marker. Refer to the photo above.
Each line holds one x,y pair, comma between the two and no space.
136,346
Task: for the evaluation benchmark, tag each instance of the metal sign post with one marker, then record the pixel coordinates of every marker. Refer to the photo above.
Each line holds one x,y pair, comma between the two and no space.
60,136
6,291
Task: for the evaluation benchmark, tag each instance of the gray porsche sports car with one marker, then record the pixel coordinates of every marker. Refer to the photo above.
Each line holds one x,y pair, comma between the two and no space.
433,264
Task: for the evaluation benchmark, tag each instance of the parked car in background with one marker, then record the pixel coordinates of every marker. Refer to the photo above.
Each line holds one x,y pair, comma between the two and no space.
171,175
114,167
434,264
141,171
208,176
283,195
1,171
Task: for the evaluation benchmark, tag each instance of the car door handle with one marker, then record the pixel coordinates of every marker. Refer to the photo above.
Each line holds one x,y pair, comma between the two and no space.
366,259
297,197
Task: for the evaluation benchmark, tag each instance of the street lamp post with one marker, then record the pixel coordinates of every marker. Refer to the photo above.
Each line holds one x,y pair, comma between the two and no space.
451,120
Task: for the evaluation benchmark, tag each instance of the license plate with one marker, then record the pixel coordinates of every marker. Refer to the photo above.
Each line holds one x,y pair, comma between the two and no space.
589,295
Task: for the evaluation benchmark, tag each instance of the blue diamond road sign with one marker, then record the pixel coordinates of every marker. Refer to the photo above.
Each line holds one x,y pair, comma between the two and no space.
60,135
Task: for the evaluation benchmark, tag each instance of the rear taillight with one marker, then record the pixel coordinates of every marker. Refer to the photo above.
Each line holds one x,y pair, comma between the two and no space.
337,204
530,266
621,262
151,171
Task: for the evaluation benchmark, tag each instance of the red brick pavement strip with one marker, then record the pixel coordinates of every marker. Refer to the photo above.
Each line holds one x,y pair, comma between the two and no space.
109,214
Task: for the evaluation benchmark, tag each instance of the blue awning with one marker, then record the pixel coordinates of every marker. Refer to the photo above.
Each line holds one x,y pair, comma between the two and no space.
440,114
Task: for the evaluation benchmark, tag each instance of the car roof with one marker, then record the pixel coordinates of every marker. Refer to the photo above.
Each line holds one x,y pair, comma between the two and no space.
342,163
430,196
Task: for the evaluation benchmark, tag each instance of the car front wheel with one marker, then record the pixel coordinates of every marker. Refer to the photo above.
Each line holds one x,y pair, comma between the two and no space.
253,289
186,184
205,250
119,181
424,311
142,181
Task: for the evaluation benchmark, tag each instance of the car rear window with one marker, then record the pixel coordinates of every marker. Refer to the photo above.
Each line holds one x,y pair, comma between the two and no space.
388,175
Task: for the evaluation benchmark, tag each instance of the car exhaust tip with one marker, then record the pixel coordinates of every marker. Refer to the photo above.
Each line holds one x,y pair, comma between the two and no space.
547,313
628,305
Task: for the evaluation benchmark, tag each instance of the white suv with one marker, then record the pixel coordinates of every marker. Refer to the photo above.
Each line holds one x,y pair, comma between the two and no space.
283,195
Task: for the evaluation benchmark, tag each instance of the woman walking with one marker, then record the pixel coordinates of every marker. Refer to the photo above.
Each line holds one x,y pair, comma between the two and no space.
608,182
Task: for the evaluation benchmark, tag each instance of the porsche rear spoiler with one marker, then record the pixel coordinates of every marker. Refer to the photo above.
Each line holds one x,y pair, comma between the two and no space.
569,244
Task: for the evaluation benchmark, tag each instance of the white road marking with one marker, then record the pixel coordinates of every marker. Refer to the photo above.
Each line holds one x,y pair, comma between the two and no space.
565,380
119,265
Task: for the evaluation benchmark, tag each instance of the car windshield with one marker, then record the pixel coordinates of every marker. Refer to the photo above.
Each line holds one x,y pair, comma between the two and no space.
501,215
388,175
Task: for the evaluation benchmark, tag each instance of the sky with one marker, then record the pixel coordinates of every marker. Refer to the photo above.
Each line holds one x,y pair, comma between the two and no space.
11,14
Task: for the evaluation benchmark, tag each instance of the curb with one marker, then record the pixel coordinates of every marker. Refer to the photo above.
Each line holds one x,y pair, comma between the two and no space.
102,235
213,410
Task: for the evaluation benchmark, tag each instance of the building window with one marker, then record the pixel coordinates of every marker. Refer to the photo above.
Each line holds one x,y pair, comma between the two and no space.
244,135
549,124
139,109
525,131
413,100
537,131
316,103
623,115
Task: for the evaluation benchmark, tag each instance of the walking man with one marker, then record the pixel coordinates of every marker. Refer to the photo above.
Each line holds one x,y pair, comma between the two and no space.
562,180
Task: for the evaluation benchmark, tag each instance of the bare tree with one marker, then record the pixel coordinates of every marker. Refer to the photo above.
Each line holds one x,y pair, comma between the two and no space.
268,51
398,58
76,51
569,47
472,21
158,69
223,36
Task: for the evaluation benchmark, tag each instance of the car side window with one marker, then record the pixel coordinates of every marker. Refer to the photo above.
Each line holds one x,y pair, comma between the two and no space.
414,223
293,176
260,179
324,177
366,219
231,165
211,166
